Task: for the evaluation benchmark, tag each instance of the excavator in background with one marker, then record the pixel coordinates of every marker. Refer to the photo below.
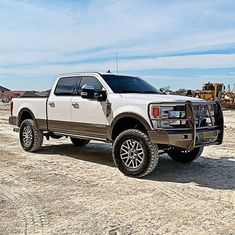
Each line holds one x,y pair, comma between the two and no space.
216,91
228,99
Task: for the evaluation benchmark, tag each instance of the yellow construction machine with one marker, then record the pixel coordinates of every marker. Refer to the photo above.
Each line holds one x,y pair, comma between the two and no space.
228,99
210,91
216,91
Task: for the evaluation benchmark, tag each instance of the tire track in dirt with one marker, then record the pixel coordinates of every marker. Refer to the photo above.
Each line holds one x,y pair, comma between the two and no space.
175,195
187,195
11,199
34,217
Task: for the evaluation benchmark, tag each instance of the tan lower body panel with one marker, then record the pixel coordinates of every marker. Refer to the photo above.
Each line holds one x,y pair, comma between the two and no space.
75,128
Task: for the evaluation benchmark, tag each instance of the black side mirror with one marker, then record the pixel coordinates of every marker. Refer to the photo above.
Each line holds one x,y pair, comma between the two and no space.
163,90
89,92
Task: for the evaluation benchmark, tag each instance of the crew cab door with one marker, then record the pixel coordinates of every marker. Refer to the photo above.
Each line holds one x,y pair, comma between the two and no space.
59,105
88,117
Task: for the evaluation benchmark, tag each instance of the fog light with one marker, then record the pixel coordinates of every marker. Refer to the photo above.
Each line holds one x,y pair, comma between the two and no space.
185,137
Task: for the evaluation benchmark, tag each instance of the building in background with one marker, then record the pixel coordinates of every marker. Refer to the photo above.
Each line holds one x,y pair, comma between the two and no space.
3,90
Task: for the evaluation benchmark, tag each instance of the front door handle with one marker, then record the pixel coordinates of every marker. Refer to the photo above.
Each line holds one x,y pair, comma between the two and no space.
52,104
75,105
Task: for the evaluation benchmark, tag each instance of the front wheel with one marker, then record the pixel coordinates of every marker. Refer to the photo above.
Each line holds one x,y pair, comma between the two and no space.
134,154
184,156
31,138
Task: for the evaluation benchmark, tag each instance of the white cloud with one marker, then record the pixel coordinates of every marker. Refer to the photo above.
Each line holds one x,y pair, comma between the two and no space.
192,61
196,61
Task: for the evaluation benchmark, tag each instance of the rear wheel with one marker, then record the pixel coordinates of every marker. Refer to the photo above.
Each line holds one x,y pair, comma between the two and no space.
184,156
79,142
31,138
134,154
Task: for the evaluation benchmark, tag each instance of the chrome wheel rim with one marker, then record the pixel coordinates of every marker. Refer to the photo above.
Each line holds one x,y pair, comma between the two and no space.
132,154
27,135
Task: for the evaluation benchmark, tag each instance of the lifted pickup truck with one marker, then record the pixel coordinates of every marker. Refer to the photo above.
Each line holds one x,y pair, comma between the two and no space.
140,121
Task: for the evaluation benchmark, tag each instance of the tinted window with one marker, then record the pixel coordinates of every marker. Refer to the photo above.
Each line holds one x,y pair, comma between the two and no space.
91,81
66,86
128,84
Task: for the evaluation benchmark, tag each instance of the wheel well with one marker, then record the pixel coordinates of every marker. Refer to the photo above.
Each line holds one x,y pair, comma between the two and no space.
125,124
25,115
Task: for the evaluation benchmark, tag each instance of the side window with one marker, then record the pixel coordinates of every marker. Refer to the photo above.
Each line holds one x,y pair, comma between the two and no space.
91,81
66,86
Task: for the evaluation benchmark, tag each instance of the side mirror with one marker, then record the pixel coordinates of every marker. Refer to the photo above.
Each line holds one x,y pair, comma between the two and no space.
163,90
89,92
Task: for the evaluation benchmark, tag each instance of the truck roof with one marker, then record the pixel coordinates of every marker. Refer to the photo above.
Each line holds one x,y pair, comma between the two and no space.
78,73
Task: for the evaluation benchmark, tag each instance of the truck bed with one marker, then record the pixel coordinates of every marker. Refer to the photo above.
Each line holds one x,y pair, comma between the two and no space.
36,105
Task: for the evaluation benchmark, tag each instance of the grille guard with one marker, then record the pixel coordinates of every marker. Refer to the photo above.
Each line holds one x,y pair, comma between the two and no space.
164,136
219,121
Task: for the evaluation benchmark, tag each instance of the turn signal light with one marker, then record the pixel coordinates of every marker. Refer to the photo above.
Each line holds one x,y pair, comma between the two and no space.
156,112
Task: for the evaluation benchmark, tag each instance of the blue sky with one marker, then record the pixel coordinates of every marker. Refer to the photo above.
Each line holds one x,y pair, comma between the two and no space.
178,43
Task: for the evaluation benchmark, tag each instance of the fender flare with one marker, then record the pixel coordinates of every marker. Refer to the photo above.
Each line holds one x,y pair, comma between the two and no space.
127,115
21,113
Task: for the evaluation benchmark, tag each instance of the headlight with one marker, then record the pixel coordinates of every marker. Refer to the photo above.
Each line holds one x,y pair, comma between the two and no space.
163,116
157,112
176,114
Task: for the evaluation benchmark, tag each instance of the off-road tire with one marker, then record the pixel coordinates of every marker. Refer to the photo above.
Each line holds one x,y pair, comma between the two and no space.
150,159
37,136
79,142
180,155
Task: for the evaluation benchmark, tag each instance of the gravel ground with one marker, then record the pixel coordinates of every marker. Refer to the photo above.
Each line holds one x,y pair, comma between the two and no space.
67,190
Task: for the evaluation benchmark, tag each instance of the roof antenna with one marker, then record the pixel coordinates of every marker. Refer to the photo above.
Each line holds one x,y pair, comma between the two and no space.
117,62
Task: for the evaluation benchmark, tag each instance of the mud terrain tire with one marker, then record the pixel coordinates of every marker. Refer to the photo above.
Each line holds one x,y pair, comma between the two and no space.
31,138
134,154
184,156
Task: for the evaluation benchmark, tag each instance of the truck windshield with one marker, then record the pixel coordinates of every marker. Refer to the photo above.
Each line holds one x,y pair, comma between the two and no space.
128,84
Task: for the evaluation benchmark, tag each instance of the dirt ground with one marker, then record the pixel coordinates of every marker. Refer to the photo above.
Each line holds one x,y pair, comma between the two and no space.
67,190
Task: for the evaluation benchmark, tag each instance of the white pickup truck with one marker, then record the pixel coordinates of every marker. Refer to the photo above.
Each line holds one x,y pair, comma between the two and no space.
135,117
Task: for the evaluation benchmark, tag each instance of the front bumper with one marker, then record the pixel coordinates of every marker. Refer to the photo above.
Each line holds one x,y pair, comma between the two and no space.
191,137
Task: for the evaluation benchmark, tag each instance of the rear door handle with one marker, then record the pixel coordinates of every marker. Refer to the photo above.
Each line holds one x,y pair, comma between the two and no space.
75,105
52,104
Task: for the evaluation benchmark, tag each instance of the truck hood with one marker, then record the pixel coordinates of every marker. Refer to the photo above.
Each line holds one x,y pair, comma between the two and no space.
158,98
